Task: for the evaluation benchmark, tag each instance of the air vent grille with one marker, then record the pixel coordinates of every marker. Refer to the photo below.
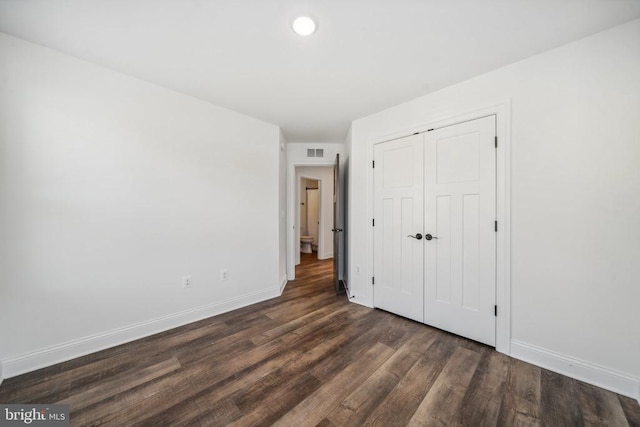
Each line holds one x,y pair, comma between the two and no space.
315,152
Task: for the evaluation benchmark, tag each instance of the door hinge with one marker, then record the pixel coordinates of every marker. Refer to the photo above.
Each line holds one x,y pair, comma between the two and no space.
495,310
373,280
373,164
495,224
496,141
373,222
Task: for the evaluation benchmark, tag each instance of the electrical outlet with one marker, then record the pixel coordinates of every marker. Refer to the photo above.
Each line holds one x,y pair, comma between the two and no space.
224,274
186,282
357,269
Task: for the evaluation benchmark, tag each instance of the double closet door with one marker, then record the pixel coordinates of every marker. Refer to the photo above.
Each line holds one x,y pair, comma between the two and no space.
435,230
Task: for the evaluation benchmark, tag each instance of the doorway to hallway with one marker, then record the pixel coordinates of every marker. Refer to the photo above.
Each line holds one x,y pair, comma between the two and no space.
317,229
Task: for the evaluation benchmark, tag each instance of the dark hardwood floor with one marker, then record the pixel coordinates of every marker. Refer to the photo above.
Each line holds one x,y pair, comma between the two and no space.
311,358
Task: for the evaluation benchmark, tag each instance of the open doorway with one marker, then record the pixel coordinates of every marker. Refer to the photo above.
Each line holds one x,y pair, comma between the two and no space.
314,212
309,216
317,237
329,248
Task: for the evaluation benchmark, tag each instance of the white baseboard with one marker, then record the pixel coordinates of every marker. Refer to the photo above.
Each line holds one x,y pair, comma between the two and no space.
591,373
354,299
283,283
70,350
325,255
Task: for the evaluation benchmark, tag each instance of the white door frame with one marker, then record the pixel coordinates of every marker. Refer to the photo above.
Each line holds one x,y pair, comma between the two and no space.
292,210
502,112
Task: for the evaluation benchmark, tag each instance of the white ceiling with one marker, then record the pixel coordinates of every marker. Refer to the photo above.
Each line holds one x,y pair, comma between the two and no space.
366,55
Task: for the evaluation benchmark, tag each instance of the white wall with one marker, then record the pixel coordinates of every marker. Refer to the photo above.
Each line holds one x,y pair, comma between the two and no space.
345,171
575,228
282,212
325,235
111,190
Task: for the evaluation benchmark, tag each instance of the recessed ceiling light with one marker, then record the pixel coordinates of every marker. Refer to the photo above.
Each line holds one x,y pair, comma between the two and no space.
304,26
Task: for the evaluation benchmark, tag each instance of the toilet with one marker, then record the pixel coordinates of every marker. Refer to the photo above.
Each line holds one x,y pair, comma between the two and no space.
305,244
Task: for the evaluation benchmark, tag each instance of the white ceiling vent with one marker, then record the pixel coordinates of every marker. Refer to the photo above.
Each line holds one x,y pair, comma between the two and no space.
315,152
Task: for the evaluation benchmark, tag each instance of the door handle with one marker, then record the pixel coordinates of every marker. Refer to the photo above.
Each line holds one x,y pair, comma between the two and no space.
418,236
336,229
429,237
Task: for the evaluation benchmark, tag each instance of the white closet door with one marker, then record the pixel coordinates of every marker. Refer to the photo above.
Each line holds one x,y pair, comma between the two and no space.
398,213
460,210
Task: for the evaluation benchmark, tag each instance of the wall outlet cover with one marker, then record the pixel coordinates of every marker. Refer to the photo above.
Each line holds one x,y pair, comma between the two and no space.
186,282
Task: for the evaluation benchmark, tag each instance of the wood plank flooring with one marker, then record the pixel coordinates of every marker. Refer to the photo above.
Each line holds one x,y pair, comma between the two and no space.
311,358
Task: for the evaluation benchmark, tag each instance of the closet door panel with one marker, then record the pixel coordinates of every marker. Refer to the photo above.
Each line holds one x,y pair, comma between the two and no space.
460,209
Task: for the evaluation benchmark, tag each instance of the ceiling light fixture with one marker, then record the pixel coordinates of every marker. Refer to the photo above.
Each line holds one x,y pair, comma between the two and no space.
304,26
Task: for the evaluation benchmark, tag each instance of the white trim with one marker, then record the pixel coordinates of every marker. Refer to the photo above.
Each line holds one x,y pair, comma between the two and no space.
502,110
292,200
591,373
72,349
283,283
354,300
1,371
